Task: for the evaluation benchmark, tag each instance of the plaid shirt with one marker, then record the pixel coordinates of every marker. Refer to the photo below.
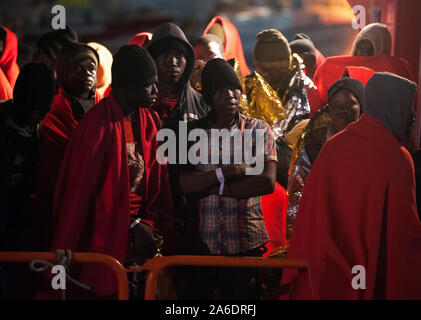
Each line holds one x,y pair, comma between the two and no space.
229,225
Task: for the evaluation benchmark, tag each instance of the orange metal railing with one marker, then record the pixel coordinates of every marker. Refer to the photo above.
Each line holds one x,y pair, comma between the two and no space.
78,257
154,266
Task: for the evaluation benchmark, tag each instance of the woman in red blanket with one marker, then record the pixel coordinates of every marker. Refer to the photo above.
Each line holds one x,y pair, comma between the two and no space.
358,206
110,174
76,66
9,54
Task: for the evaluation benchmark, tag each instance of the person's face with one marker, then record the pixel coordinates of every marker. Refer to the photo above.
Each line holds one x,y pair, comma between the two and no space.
310,63
273,76
344,108
364,48
208,51
226,102
171,65
147,94
81,77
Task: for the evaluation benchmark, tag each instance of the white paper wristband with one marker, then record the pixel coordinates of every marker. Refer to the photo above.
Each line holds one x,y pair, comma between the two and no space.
221,180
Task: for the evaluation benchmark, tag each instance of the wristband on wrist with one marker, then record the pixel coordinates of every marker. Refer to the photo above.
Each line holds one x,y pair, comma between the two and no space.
221,180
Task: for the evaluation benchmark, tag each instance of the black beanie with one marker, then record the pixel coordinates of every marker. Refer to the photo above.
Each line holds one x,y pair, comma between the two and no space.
354,85
302,45
167,44
52,41
217,74
132,64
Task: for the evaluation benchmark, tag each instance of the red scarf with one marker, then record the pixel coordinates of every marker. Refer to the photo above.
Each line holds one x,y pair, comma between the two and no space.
333,69
165,105
9,57
358,208
92,194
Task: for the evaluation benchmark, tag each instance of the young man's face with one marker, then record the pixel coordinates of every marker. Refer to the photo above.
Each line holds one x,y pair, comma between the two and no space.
81,77
171,66
344,108
148,93
226,102
273,76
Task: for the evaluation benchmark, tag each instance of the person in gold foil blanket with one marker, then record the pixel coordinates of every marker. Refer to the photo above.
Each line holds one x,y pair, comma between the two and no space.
277,92
344,107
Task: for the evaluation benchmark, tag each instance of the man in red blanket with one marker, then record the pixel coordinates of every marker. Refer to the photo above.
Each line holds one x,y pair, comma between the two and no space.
76,66
110,174
358,224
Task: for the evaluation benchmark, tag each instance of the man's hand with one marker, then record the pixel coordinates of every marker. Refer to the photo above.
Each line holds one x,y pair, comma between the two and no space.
233,171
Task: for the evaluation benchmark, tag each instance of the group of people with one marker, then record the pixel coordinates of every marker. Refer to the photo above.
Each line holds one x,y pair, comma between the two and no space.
81,167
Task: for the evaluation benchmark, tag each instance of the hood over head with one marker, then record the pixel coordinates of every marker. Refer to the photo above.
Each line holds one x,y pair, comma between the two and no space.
170,35
378,35
389,98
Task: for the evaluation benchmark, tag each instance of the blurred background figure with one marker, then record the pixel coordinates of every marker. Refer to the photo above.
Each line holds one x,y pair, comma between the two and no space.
373,40
142,39
227,32
305,48
50,43
103,75
9,55
206,48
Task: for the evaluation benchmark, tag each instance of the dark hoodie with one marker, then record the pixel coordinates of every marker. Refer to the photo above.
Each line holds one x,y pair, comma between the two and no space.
191,105
389,98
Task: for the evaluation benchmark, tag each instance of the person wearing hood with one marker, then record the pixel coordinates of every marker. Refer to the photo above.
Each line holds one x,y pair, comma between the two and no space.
345,106
49,44
21,229
112,195
175,59
77,66
307,51
103,75
142,39
358,212
228,34
19,143
9,55
373,40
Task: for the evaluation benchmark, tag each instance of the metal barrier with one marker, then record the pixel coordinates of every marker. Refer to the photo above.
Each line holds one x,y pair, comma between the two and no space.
154,266
79,257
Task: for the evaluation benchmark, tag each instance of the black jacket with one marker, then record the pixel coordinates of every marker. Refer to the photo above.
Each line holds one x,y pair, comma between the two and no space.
191,105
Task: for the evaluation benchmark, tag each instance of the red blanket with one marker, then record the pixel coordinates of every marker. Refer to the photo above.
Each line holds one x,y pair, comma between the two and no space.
233,46
274,208
6,91
57,127
358,208
92,194
9,57
333,69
